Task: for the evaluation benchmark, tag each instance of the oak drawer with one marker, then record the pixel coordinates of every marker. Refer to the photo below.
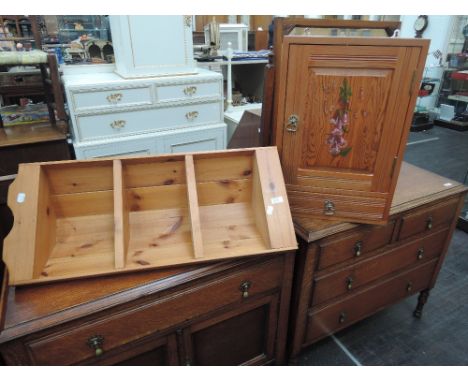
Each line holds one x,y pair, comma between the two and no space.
83,101
113,125
357,245
334,317
428,219
347,280
69,347
188,91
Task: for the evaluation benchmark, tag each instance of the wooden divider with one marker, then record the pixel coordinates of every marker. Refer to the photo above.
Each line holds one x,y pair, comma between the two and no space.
121,216
194,211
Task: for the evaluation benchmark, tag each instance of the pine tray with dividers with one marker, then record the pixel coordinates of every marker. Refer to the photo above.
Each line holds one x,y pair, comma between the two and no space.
76,219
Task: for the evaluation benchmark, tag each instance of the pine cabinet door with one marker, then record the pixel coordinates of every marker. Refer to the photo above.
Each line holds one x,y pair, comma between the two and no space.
344,112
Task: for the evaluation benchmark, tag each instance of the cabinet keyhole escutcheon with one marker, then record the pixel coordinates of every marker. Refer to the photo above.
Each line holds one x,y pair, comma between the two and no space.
292,124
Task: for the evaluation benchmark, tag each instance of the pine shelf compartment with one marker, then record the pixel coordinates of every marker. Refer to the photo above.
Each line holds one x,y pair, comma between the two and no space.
76,219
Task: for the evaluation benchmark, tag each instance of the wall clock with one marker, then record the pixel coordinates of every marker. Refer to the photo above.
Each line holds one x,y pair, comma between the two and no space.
420,25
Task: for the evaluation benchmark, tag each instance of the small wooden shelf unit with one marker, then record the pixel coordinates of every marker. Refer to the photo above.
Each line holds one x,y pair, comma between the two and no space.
81,218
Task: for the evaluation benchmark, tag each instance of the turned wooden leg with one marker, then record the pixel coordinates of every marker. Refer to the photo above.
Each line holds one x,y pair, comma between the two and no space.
422,299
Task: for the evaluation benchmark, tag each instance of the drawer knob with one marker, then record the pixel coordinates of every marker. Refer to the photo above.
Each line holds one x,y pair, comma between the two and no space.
190,90
358,248
429,222
329,208
409,287
119,124
191,115
420,253
342,317
114,97
96,343
349,283
244,288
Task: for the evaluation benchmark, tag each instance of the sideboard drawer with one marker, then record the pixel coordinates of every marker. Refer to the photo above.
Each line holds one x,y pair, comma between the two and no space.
188,91
135,122
70,347
334,317
83,101
347,280
344,247
428,218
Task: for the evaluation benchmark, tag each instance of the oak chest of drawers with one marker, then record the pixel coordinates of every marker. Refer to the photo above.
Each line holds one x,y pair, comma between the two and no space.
224,313
345,272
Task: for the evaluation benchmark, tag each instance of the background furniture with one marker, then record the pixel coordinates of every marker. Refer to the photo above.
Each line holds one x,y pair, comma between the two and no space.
346,272
171,107
226,313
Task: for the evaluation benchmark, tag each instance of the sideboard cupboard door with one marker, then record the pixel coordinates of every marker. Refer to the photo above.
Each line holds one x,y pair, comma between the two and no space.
241,336
343,117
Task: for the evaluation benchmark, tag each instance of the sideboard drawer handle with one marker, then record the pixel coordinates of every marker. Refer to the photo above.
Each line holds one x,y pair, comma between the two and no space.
119,124
420,253
191,115
244,288
190,90
96,343
358,248
114,97
342,317
429,223
409,287
329,208
349,283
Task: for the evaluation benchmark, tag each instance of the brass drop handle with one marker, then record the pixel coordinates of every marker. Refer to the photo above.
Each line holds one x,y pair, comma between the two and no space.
349,283
119,124
114,97
191,115
429,222
342,317
292,124
190,90
409,287
329,208
420,253
358,248
96,343
244,288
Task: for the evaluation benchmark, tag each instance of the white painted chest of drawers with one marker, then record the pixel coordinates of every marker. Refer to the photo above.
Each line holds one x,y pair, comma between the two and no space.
114,116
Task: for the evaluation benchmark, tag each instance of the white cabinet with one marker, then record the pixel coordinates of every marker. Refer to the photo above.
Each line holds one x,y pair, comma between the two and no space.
154,100
147,46
115,116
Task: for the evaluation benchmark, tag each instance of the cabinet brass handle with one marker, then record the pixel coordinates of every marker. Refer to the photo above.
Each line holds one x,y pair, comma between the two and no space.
342,317
429,222
119,124
96,343
191,115
409,287
244,288
349,283
329,208
190,90
420,253
292,124
114,97
358,248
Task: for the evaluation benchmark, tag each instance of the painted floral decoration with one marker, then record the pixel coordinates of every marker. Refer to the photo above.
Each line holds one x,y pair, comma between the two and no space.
335,140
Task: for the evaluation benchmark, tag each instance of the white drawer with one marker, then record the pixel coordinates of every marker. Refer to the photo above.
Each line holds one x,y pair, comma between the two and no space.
91,127
166,93
191,140
83,101
116,148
